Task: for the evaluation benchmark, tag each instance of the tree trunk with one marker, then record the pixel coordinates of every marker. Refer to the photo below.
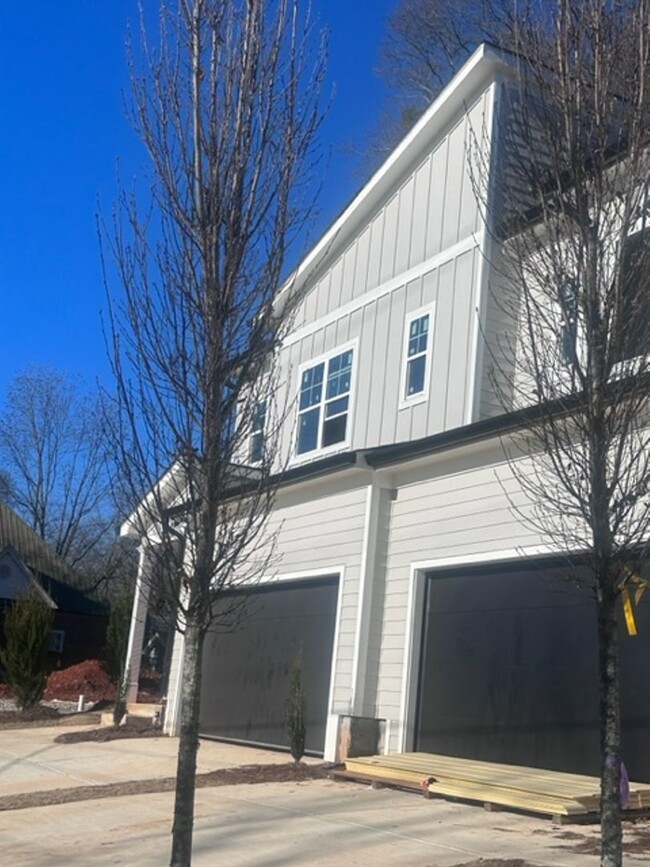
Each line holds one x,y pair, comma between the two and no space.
187,748
610,730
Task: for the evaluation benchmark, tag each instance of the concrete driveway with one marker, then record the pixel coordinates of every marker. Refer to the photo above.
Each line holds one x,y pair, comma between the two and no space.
269,825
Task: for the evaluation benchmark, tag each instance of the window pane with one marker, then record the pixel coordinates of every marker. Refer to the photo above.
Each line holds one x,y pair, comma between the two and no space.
308,431
415,375
334,430
311,388
418,332
256,443
336,407
339,374
259,416
569,328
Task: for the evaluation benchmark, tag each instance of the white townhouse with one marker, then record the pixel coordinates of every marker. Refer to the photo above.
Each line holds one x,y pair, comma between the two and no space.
426,615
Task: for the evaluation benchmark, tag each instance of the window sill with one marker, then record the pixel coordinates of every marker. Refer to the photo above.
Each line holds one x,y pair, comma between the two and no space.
415,400
306,457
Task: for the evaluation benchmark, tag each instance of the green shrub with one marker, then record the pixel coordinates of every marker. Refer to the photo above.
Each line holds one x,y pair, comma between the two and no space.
296,712
24,659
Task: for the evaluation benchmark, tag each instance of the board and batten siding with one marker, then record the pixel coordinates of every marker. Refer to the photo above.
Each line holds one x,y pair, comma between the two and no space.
458,508
377,332
432,209
422,247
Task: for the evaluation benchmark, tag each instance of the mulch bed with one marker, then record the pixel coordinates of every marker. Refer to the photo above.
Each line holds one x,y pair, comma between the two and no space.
33,714
135,728
498,862
244,774
15,719
90,679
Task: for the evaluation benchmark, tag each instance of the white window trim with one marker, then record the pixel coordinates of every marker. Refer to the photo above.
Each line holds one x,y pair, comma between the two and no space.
405,400
297,457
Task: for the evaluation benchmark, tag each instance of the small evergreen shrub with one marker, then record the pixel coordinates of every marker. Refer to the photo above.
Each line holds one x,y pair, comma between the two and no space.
296,712
24,658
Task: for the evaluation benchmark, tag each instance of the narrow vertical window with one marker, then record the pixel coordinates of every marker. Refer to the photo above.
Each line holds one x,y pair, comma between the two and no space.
256,446
417,351
569,327
631,327
324,403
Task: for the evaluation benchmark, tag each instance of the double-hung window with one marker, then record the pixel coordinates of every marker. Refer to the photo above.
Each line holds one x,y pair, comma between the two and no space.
324,403
569,324
256,442
417,355
631,326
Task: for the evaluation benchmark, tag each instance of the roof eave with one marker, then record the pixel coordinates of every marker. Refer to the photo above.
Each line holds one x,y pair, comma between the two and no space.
479,70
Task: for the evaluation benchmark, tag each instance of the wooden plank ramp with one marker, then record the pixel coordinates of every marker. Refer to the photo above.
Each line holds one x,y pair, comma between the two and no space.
533,790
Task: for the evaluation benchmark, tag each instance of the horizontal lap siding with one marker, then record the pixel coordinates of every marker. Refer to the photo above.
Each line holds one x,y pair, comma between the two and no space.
464,513
323,532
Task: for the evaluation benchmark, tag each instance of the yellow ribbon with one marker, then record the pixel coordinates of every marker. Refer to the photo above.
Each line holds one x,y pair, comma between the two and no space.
630,622
628,609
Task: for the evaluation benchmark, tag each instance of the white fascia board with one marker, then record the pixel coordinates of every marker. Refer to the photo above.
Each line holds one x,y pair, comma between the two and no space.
479,70
166,492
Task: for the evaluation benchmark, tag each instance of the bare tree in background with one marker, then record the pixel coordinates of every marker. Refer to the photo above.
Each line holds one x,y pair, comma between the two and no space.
569,217
227,106
53,451
426,43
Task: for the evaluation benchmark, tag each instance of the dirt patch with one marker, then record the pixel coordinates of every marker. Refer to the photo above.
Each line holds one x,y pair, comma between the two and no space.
244,774
636,839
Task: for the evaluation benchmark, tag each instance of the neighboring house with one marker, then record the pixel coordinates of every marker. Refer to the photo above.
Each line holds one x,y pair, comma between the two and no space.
26,563
420,604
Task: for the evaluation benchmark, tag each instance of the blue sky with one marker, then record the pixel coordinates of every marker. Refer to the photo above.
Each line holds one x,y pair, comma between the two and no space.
63,79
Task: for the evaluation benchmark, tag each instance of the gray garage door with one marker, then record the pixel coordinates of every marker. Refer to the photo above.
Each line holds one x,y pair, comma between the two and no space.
246,672
509,672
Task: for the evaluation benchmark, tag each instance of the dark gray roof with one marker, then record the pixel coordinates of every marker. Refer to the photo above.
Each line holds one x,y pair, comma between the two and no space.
34,551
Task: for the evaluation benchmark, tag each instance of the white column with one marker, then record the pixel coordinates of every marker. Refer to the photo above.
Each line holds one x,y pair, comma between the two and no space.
138,623
376,499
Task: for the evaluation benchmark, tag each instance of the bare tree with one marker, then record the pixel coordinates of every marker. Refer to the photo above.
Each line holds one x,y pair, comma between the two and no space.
571,239
54,453
228,108
426,43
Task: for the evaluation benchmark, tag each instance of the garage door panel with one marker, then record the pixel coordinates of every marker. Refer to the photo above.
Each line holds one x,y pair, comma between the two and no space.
247,671
509,673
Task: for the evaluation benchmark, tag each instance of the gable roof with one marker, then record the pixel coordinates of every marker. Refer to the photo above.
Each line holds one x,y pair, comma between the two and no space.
479,70
34,551
57,594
